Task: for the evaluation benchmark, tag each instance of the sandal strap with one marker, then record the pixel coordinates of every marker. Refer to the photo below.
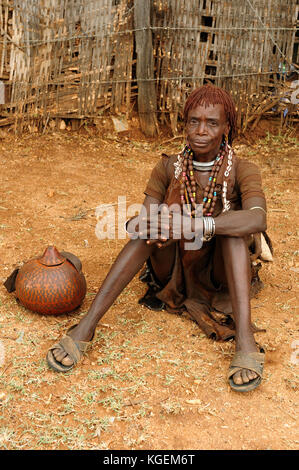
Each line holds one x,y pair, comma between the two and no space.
252,361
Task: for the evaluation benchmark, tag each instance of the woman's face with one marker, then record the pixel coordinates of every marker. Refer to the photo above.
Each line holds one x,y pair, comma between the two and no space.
205,128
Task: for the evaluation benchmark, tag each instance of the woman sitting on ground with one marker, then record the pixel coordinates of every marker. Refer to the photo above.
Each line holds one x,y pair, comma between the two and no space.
214,282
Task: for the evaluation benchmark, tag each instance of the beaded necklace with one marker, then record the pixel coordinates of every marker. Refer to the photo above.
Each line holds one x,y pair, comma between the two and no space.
188,184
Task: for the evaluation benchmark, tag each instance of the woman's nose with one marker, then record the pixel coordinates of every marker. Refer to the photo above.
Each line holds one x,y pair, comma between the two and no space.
201,128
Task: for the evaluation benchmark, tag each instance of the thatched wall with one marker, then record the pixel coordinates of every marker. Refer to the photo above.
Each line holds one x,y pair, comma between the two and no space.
79,58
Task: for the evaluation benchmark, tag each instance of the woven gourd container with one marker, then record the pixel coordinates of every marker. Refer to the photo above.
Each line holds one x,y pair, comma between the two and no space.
51,284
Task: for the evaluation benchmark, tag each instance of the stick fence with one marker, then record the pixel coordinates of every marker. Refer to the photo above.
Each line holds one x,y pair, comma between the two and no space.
76,59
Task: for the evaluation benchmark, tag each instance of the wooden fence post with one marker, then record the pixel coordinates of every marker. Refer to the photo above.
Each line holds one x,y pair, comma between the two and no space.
147,100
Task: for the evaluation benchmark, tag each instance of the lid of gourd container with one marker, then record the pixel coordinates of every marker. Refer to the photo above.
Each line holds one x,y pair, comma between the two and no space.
51,257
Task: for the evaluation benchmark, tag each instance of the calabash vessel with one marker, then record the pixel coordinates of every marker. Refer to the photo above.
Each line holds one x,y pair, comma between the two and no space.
52,284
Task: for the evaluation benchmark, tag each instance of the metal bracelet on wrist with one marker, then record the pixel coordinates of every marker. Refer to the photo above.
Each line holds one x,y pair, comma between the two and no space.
208,228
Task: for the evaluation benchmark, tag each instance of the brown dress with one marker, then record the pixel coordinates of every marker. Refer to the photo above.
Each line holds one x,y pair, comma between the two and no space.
191,287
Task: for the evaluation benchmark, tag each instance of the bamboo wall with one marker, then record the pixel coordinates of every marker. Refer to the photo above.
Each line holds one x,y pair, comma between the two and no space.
79,58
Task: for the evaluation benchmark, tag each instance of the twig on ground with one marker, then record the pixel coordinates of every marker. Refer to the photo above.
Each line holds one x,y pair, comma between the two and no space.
4,370
173,138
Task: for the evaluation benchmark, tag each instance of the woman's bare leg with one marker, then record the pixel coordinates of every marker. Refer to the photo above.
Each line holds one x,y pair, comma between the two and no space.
236,264
127,264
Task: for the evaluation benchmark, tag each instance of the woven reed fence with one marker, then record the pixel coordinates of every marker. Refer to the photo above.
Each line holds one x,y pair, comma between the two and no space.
76,59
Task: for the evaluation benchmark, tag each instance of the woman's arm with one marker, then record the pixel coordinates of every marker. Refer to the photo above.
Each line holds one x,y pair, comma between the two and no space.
251,219
243,222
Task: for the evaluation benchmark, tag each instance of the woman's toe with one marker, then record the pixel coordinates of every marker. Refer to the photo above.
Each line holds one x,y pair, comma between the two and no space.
237,378
62,357
245,377
59,354
251,375
67,361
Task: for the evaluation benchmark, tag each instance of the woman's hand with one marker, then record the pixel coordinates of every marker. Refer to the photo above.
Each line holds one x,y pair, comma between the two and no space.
158,229
165,228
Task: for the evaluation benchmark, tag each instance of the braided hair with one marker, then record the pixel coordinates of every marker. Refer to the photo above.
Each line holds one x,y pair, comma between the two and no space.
208,94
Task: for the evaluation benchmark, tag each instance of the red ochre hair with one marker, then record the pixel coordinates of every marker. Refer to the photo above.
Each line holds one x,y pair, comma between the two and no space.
211,94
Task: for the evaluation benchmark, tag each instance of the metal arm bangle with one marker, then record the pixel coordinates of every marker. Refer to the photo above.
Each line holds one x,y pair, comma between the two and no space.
258,207
208,228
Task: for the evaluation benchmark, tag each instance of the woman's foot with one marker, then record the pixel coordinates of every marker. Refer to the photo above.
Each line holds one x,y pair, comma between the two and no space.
79,333
246,345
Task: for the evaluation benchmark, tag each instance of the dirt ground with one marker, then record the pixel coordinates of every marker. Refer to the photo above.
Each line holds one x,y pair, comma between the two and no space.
151,380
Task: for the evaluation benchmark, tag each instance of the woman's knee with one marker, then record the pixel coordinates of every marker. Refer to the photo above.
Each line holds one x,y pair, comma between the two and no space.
233,243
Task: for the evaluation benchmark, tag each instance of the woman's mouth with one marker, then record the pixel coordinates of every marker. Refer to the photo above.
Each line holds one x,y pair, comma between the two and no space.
201,143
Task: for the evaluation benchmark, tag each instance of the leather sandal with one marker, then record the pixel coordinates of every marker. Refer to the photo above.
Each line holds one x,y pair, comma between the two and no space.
75,349
252,361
